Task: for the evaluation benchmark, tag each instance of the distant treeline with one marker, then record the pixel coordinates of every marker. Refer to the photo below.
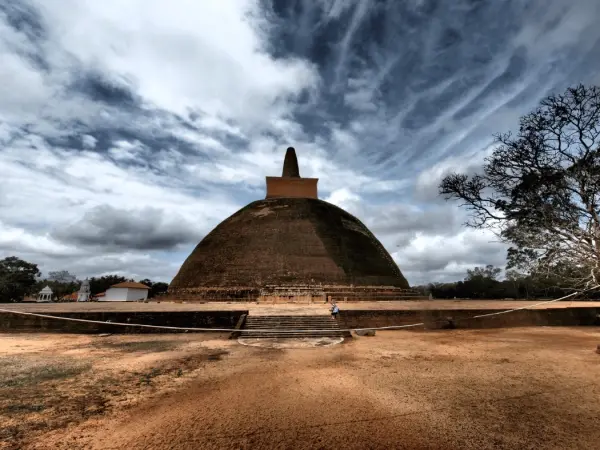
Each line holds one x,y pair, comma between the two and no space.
483,283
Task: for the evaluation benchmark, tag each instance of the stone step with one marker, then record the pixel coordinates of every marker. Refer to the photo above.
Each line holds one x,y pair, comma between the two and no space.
292,317
291,327
290,331
290,323
286,319
306,326
325,319
293,335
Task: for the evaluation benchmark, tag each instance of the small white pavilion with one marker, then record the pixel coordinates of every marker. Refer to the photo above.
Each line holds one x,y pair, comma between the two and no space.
84,291
45,295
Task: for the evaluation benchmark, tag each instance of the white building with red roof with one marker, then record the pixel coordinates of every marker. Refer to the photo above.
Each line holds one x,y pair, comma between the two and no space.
129,291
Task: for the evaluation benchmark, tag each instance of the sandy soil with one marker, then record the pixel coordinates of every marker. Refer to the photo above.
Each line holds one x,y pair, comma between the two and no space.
290,308
507,388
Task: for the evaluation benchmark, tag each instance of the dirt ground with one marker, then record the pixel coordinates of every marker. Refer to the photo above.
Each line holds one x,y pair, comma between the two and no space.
499,388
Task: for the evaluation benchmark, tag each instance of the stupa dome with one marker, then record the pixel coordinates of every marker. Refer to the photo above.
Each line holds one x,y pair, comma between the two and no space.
290,238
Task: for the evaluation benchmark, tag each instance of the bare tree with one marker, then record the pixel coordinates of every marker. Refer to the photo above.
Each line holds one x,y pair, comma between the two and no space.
61,276
540,189
488,272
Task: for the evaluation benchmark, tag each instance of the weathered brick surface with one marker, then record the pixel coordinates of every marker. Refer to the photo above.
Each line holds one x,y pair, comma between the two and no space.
370,293
288,241
193,319
292,187
462,318
290,164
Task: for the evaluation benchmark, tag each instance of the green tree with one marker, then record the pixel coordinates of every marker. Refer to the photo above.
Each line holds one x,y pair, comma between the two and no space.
519,282
156,289
488,272
444,290
61,289
16,278
540,189
482,282
61,276
159,288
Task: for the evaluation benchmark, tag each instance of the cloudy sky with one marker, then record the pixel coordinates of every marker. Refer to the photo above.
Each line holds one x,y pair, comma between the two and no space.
130,128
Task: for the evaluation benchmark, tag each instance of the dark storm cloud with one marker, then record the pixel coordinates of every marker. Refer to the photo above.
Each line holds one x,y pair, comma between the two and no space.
301,29
143,130
26,20
99,88
95,264
109,228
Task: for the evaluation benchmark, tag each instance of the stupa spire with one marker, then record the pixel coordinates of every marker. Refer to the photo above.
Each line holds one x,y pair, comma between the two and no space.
290,184
290,164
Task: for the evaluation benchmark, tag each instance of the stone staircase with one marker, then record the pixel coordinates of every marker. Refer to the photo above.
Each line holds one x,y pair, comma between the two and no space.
291,327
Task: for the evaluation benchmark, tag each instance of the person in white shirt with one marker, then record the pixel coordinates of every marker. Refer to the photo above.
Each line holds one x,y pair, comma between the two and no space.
334,310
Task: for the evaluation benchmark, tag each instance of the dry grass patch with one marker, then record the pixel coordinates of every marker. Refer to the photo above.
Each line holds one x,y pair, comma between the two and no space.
81,377
27,382
30,370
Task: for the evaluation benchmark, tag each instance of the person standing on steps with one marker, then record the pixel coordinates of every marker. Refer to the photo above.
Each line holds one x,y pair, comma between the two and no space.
334,311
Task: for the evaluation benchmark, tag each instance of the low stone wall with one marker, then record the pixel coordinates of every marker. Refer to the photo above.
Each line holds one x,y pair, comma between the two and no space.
198,319
457,318
434,319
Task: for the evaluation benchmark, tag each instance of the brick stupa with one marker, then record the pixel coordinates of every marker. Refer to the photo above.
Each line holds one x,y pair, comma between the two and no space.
290,244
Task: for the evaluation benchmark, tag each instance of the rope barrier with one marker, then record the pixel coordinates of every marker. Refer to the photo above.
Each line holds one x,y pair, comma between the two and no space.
271,330
484,315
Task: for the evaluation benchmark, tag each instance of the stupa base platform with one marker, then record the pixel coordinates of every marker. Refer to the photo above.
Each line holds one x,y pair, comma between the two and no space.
435,314
295,294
